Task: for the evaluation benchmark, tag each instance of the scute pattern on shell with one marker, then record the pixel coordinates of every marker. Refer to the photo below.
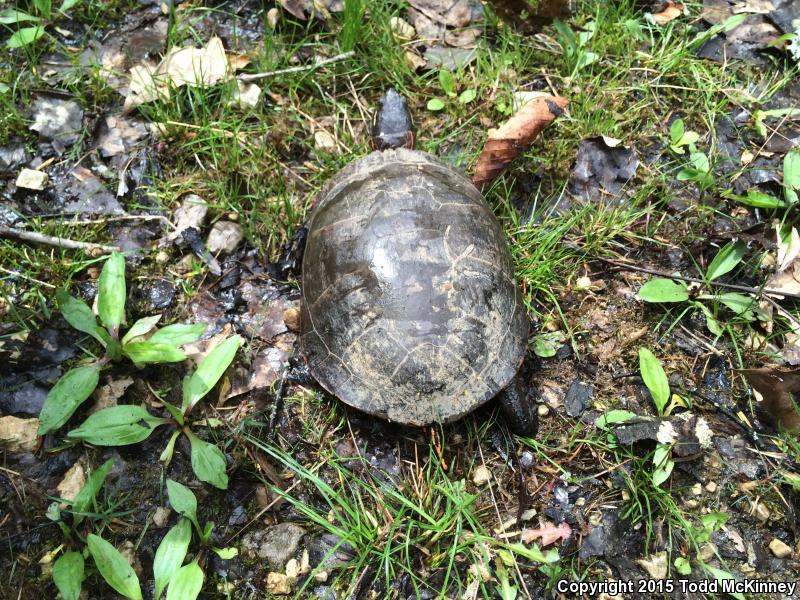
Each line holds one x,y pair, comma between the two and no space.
411,310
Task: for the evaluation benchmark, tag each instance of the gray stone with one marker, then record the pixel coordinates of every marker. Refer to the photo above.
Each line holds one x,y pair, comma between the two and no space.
224,237
577,399
13,156
280,543
57,120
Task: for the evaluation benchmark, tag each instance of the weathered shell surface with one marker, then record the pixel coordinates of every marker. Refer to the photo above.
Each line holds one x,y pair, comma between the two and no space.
411,310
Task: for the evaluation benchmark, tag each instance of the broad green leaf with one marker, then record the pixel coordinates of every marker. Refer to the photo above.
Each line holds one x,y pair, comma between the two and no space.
187,583
45,7
533,553
758,199
682,565
143,353
467,96
700,161
206,534
117,426
174,412
169,449
171,554
67,394
78,315
68,575
614,416
448,82
435,104
738,303
209,372
114,568
85,498
676,131
183,501
711,321
67,4
654,378
12,15
26,35
662,463
721,575
111,292
546,345
689,138
663,290
791,175
226,553
178,334
727,258
208,463
141,327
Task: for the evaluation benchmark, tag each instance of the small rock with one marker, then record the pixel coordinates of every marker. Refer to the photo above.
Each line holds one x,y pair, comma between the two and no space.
192,213
759,510
779,549
305,563
697,489
481,475
279,584
19,435
707,552
542,410
30,179
656,565
161,516
324,141
73,481
711,487
577,399
692,503
162,257
291,318
57,120
224,237
246,95
526,459
292,568
321,576
280,543
13,156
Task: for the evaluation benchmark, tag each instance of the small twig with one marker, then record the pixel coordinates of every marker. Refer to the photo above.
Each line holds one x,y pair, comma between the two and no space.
315,65
49,240
731,286
25,277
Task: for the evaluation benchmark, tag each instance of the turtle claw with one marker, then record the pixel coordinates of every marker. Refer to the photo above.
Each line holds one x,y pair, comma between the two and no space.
518,409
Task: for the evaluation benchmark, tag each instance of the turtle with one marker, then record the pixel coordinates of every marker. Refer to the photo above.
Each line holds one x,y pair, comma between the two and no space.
410,308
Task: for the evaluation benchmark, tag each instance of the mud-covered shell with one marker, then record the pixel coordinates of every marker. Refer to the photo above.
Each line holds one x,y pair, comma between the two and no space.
411,310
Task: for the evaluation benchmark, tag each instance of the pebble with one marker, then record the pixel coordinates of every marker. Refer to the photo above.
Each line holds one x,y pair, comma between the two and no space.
72,482
279,584
542,410
224,237
697,489
273,14
759,510
402,28
481,475
280,543
711,487
692,503
292,568
655,565
324,141
19,435
161,516
707,552
292,319
30,179
321,576
780,549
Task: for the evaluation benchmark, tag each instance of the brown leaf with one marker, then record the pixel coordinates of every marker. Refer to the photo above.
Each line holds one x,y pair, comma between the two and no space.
514,137
295,8
777,386
452,13
548,533
670,13
530,16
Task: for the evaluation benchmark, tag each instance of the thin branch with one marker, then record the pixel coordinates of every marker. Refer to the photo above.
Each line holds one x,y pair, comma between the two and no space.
315,65
731,286
34,237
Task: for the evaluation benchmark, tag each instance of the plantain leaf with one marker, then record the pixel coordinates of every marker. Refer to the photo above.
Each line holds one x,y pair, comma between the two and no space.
85,498
654,378
114,568
111,293
141,327
187,583
117,426
171,553
68,575
209,372
727,258
663,290
26,35
208,463
66,396
178,334
143,353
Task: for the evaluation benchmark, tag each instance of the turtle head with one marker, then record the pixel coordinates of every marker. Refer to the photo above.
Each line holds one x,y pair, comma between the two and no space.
393,127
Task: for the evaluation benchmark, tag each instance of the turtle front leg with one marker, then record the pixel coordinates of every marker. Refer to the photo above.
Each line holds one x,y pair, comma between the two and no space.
518,407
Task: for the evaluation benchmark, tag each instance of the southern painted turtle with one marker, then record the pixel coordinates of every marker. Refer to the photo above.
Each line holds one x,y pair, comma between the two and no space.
411,311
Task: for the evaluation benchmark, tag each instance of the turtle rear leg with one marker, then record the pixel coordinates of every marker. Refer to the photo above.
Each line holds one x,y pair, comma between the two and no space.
518,407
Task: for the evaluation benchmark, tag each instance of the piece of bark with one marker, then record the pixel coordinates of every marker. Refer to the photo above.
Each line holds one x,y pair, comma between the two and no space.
514,137
777,386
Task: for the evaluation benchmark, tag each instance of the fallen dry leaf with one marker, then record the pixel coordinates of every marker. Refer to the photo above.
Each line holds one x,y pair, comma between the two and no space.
510,140
451,13
519,14
548,533
670,13
776,385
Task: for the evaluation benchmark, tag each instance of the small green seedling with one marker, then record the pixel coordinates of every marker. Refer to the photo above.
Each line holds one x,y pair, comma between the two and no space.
181,581
791,186
667,291
680,138
128,424
449,86
575,47
163,346
68,570
44,14
657,384
698,168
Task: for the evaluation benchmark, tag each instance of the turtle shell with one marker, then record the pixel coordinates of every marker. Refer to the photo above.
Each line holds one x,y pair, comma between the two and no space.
410,307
